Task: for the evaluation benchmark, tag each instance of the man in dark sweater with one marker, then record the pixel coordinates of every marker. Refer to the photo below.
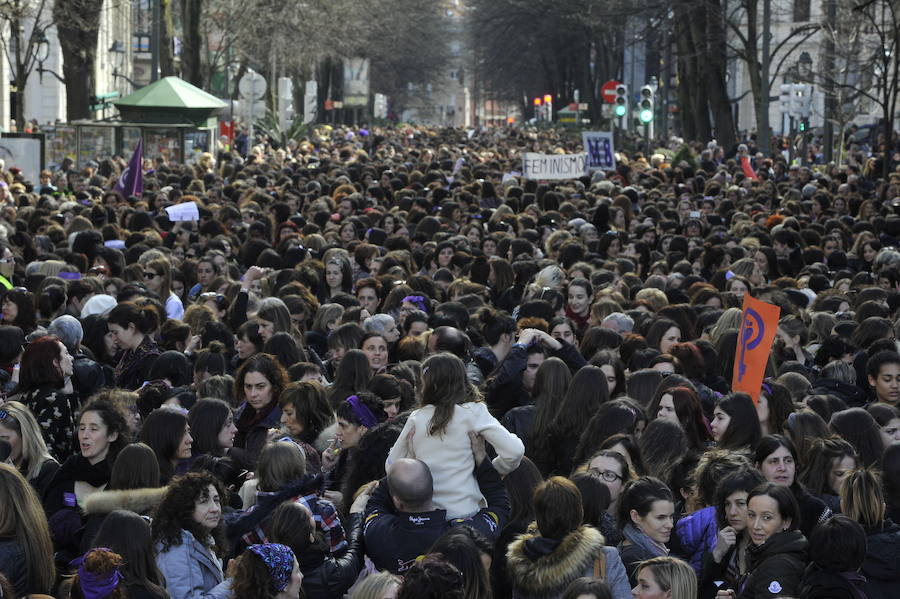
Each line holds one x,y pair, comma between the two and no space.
401,522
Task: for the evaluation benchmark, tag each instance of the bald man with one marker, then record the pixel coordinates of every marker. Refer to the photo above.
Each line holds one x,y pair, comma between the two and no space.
401,522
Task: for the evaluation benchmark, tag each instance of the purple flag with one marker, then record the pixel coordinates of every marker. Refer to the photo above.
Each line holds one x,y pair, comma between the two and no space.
131,183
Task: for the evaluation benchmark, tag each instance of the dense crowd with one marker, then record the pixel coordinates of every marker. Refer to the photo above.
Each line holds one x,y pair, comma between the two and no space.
384,364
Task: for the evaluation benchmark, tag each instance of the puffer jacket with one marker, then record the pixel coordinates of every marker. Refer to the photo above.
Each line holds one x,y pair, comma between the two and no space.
776,567
882,564
694,535
541,568
99,505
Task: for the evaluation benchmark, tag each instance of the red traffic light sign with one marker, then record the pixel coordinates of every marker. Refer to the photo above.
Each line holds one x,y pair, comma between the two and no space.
608,91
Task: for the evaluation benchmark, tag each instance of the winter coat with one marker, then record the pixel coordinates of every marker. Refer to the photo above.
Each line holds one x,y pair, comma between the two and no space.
695,534
327,576
394,540
882,564
55,413
99,505
192,571
249,440
813,510
776,567
852,395
14,566
632,555
822,584
541,568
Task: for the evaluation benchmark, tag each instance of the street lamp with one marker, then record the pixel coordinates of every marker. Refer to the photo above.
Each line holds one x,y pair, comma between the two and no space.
118,51
804,66
43,53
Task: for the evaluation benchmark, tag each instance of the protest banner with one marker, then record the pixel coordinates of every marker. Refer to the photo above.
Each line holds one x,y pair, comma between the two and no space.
600,150
553,166
759,322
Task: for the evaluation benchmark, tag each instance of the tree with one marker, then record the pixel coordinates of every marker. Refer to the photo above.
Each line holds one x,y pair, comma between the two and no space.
743,22
78,26
191,64
20,49
867,62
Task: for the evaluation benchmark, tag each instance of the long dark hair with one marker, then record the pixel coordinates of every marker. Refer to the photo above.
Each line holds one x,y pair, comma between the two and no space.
586,394
744,430
207,418
129,535
163,431
40,365
444,386
176,513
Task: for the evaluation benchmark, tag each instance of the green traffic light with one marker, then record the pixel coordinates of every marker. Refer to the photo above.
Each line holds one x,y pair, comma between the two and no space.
620,110
646,116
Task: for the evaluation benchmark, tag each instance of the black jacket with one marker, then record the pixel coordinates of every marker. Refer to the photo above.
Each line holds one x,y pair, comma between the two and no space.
822,584
882,564
776,567
852,395
395,539
813,510
326,576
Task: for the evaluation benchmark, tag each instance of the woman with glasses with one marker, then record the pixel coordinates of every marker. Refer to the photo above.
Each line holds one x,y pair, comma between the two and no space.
158,278
7,267
610,468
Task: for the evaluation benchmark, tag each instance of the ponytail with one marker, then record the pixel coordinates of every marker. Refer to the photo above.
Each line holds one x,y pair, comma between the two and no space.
144,318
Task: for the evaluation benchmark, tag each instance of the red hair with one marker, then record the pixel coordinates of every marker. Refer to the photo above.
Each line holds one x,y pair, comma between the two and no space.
40,364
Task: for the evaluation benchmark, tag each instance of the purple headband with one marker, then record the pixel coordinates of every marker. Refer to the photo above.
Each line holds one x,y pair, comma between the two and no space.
71,276
279,559
767,387
95,586
418,300
365,415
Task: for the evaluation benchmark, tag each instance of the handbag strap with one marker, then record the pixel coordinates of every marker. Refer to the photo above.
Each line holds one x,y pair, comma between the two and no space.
600,566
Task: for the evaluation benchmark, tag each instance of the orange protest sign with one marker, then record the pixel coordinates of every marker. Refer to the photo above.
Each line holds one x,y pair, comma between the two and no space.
758,325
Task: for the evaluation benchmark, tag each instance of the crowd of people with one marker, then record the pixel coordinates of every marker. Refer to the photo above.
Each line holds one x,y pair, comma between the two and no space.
384,364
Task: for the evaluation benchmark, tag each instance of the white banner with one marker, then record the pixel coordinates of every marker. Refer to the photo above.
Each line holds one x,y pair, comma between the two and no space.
599,148
554,166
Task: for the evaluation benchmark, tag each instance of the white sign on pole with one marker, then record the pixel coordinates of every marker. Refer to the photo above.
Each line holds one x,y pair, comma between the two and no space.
554,166
356,81
310,101
600,150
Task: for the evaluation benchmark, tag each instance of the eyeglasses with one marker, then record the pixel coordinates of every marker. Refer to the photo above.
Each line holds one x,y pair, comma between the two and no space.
149,275
4,415
607,475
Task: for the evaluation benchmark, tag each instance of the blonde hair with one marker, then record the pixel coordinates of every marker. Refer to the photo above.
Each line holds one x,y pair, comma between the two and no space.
653,296
673,576
862,498
376,585
163,269
34,449
22,518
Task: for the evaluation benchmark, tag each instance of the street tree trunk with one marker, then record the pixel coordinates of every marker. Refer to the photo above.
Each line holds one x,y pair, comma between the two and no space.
78,25
166,36
191,61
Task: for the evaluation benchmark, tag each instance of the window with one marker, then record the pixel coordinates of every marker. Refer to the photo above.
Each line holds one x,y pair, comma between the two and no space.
801,10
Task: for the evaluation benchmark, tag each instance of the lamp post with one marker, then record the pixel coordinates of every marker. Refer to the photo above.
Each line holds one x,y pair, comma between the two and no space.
43,54
119,55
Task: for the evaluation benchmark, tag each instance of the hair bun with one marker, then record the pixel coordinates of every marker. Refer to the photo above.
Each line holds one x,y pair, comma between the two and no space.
217,347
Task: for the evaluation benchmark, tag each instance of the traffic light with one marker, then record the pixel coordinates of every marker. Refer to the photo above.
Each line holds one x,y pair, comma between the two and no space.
785,97
621,101
646,105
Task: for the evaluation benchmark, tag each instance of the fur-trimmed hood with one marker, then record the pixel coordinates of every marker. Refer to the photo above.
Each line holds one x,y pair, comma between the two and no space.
549,575
140,501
